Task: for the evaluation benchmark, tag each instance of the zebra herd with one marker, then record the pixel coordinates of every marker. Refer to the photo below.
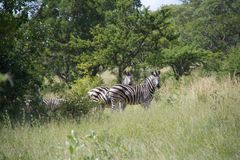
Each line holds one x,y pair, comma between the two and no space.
97,95
118,96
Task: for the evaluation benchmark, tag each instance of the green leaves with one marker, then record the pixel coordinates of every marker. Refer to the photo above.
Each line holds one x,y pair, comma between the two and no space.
94,147
210,24
131,36
183,59
232,63
22,42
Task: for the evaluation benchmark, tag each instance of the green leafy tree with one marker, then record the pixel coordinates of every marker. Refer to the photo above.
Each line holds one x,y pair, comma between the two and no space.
56,15
70,22
131,36
209,24
183,59
20,46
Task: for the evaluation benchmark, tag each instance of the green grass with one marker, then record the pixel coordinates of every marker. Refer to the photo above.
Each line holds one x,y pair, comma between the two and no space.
196,119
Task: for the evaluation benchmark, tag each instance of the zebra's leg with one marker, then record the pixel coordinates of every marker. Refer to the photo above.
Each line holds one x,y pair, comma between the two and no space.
113,104
102,107
122,106
146,105
99,107
119,106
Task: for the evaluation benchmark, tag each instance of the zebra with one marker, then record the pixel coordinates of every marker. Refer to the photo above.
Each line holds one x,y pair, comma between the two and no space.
52,102
128,79
100,94
121,94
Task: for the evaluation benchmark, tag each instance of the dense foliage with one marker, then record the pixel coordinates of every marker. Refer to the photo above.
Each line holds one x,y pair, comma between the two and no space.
43,42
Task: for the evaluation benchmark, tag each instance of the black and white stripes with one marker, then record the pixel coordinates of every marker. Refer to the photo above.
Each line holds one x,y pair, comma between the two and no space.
52,102
140,94
100,94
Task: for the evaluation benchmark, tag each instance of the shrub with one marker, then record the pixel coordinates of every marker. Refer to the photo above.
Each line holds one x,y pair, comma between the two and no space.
232,64
77,102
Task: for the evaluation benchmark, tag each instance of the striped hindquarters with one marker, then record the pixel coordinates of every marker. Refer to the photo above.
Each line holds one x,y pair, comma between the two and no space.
99,94
53,103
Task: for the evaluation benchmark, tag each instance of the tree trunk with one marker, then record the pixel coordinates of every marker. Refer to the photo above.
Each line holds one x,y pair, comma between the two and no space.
94,70
120,73
176,72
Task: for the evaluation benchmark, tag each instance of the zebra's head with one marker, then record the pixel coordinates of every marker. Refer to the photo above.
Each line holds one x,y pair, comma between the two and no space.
155,79
128,79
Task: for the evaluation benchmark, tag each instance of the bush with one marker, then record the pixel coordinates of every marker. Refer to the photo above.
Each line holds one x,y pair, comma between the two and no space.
77,102
232,63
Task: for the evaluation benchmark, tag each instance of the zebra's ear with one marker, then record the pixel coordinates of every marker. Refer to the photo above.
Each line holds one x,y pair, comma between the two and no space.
159,72
152,73
124,72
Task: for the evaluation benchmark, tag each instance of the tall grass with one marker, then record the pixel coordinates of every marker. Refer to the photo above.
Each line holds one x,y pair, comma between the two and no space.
195,119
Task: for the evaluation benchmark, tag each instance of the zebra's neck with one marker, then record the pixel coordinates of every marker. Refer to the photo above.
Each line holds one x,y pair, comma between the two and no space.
147,89
149,85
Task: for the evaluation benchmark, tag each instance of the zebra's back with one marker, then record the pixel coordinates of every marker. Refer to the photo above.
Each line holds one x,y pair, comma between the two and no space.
101,94
53,102
127,93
